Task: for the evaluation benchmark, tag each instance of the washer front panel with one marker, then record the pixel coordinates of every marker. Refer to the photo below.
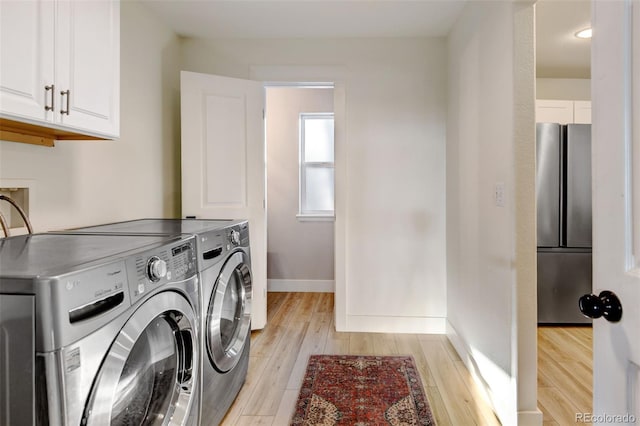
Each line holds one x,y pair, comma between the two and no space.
149,374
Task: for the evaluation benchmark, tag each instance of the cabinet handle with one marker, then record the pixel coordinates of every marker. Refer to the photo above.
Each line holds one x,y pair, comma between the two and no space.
68,93
53,97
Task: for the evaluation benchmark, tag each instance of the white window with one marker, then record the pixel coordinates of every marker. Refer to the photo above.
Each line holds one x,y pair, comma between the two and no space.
316,165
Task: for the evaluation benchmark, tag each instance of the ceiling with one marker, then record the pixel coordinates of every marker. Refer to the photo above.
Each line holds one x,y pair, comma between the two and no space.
559,54
308,18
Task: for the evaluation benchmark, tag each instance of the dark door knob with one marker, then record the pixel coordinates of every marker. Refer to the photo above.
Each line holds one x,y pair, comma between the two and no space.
605,305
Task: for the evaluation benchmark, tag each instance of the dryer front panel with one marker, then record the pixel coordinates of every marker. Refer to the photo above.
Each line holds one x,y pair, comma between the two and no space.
228,318
148,376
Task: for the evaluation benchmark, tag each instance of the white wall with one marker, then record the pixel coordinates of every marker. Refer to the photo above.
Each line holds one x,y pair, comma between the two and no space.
491,248
299,253
88,182
577,89
390,168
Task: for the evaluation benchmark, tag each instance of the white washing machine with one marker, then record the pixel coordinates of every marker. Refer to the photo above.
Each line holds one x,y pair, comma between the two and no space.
98,330
224,266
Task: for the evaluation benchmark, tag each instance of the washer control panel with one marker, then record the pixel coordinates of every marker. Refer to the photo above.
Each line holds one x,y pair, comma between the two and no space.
170,263
156,268
234,237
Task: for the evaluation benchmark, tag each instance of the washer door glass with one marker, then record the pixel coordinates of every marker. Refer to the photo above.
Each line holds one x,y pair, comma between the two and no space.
229,313
147,377
146,385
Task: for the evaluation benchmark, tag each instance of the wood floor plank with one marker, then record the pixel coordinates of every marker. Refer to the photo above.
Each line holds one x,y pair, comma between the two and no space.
579,339
438,407
565,376
274,302
337,343
283,315
360,343
408,344
264,342
286,409
564,345
273,382
562,376
257,366
326,302
384,344
481,407
557,406
307,306
454,392
314,342
255,421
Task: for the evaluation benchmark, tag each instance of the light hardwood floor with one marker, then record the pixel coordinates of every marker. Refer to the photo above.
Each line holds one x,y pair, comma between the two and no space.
565,376
300,324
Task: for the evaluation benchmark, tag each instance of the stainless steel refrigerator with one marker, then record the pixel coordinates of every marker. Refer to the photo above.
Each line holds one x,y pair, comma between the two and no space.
563,196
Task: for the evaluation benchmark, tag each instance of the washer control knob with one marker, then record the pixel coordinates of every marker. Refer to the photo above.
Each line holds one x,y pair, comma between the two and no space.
234,237
156,268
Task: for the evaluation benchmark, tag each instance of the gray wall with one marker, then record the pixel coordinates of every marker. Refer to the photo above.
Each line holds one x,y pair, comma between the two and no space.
296,250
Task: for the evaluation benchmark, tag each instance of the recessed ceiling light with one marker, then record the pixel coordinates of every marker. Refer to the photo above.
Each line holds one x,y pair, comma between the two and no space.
586,33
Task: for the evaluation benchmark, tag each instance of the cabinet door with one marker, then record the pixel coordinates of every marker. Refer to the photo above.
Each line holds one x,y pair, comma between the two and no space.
26,59
582,112
553,111
88,65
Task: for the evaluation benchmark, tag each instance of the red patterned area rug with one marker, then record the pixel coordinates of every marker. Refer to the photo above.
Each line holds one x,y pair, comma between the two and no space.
362,391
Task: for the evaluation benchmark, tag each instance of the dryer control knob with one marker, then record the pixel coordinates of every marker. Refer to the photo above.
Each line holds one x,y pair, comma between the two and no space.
234,237
156,268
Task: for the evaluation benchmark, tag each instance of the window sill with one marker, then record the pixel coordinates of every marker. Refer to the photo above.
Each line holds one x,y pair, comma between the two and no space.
315,217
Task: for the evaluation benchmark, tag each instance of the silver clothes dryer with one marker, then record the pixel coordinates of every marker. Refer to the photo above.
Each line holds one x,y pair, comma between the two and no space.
107,329
226,292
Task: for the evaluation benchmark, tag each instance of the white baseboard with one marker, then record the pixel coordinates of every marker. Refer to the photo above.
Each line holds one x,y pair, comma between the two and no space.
389,324
305,286
530,418
497,401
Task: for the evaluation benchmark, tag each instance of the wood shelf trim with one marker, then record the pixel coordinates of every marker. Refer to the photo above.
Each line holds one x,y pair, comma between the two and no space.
16,131
8,135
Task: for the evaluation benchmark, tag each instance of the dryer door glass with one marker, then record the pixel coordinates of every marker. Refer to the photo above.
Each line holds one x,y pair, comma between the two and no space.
229,313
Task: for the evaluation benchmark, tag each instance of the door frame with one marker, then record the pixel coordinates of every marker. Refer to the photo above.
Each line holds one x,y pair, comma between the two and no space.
301,86
315,76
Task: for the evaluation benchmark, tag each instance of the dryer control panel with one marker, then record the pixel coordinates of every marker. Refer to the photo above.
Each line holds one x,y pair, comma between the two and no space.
170,263
214,246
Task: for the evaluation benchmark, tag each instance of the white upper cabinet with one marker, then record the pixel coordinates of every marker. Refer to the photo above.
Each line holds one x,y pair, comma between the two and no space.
563,112
61,65
552,111
582,112
26,58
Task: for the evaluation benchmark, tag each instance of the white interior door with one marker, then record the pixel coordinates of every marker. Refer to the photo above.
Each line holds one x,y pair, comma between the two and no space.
616,207
223,163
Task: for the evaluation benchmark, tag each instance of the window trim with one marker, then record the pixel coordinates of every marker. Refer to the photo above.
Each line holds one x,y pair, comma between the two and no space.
311,215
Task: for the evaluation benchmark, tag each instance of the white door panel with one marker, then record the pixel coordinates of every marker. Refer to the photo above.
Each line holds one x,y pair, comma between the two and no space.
224,157
616,207
223,162
88,64
26,58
